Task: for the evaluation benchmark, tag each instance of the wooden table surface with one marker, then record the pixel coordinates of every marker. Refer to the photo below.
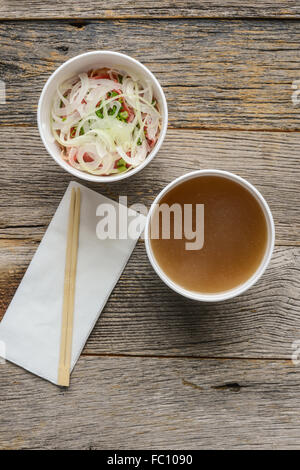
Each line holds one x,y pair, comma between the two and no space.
160,371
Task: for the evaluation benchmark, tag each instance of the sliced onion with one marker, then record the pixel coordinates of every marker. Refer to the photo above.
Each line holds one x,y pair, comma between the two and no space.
71,158
135,160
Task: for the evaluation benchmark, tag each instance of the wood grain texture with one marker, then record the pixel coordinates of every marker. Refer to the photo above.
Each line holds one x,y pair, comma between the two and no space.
160,371
32,184
144,317
145,403
13,9
216,74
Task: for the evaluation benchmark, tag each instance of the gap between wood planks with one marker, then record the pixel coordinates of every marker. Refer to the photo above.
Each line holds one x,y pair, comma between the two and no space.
199,128
200,358
33,241
81,22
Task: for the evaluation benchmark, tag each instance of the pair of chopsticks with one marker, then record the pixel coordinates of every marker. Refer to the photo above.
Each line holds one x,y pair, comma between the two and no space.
69,290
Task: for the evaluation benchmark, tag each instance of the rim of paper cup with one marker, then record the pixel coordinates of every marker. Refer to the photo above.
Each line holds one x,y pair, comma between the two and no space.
238,290
109,178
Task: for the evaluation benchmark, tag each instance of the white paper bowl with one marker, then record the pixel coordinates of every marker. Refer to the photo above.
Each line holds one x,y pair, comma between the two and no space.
83,63
264,263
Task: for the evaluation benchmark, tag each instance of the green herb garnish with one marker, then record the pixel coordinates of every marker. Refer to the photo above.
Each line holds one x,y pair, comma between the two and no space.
112,110
99,113
122,168
121,162
111,94
124,114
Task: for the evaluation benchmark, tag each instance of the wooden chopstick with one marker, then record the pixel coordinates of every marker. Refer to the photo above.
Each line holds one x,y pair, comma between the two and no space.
69,290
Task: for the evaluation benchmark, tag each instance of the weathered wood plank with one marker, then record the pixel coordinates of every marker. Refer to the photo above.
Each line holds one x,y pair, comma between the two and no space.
146,403
16,255
32,184
216,74
144,317
13,9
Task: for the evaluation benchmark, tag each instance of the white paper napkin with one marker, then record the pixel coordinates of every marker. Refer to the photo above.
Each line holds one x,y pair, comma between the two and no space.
30,330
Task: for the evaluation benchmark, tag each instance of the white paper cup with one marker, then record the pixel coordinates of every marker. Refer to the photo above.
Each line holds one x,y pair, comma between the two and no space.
84,63
264,263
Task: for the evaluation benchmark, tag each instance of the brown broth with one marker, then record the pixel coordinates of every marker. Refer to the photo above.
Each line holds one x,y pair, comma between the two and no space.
235,236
